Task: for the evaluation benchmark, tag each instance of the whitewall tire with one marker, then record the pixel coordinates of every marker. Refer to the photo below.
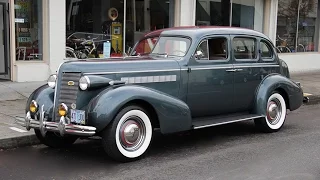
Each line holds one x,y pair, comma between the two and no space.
129,136
276,112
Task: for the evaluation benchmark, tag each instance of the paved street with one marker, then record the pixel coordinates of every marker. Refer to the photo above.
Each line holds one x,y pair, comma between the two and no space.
228,152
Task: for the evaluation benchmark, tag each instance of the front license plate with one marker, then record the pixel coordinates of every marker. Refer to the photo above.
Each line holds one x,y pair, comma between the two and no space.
78,116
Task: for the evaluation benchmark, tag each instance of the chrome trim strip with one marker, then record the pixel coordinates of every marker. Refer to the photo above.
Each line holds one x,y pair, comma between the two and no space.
149,79
228,122
113,72
226,67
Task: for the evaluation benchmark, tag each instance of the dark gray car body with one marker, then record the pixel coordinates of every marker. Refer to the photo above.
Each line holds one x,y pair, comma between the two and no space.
177,92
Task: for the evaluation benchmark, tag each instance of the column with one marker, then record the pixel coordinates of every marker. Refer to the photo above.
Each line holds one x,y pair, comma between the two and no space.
57,33
270,19
185,12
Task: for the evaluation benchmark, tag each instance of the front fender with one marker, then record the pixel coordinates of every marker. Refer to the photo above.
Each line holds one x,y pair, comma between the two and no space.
173,114
292,92
44,95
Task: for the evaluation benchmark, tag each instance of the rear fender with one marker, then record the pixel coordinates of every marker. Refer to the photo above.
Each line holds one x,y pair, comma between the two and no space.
292,93
173,114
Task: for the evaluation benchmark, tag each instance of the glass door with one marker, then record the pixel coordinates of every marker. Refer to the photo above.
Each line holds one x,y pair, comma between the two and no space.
4,58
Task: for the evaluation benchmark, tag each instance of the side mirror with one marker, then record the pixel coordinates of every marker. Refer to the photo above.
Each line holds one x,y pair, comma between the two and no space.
198,55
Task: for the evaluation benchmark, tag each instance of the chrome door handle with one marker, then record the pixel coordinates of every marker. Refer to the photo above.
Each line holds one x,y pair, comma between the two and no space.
238,70
231,70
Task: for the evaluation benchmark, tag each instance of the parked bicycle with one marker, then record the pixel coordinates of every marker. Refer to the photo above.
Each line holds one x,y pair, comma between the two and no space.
282,46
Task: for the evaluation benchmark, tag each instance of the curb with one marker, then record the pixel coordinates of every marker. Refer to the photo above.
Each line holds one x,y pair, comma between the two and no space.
20,141
313,99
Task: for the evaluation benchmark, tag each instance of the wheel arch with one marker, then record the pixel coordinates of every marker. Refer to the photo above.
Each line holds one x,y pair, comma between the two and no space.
291,92
148,107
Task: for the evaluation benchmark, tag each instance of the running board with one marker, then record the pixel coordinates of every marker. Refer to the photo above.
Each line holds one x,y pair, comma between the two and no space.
216,121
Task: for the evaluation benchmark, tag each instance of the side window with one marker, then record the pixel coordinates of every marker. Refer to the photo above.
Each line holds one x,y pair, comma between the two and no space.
202,51
218,48
244,48
266,51
213,49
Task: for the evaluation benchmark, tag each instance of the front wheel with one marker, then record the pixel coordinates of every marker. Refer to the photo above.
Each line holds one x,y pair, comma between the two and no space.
275,114
129,135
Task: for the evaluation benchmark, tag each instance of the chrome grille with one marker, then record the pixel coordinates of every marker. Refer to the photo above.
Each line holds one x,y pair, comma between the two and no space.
67,94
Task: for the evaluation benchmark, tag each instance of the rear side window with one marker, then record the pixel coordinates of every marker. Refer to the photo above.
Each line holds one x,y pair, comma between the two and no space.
266,51
244,48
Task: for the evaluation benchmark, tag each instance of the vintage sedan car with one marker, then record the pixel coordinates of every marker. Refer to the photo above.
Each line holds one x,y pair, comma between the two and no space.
193,78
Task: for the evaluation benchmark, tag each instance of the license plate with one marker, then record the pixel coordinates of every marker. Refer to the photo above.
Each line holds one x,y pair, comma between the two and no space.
78,116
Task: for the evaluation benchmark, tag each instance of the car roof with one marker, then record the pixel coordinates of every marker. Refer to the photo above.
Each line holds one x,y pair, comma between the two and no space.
199,31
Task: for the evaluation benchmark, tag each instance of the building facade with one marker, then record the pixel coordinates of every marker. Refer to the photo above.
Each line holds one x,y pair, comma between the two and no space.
38,35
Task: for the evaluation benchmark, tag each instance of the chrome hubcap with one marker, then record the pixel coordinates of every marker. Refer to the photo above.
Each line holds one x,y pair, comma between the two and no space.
274,111
132,133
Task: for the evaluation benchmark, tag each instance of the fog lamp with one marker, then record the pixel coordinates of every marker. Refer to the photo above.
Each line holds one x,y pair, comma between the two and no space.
63,109
33,106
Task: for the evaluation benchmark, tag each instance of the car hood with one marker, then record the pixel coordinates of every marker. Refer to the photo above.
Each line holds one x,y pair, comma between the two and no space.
120,65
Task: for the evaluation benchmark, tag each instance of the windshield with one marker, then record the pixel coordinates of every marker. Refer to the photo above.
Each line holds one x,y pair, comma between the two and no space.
144,46
171,46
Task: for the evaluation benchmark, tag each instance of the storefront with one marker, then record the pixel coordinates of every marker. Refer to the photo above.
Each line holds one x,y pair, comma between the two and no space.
45,33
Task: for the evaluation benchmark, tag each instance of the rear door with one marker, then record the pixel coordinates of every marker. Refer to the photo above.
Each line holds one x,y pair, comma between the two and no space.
253,60
247,75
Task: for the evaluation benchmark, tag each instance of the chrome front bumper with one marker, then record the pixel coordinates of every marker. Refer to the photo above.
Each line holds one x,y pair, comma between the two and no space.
63,126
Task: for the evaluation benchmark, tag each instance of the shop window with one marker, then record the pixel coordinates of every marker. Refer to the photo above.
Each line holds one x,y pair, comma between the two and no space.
297,26
244,13
28,29
109,28
95,29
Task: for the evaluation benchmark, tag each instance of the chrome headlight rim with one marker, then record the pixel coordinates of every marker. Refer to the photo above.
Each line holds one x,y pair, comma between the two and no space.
52,80
84,83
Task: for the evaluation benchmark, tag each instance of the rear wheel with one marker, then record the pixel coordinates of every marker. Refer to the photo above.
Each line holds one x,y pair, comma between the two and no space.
129,135
275,115
54,140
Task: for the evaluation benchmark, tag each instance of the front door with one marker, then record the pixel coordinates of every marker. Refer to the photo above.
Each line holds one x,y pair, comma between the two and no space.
4,41
210,85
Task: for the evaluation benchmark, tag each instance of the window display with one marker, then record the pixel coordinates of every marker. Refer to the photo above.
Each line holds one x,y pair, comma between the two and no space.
93,26
297,27
28,29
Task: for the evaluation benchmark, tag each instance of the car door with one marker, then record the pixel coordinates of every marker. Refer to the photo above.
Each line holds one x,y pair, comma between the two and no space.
246,75
210,84
251,64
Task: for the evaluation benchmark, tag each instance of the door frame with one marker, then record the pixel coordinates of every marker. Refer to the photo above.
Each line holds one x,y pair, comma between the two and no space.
7,74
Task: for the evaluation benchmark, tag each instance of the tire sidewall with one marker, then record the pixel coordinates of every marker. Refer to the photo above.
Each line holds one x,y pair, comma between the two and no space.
283,114
115,148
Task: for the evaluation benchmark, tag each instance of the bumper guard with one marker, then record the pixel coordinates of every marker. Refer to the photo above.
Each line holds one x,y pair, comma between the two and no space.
63,126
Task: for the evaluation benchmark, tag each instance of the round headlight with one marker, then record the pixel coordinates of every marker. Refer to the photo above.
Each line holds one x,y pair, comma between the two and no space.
33,107
52,80
63,109
84,83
